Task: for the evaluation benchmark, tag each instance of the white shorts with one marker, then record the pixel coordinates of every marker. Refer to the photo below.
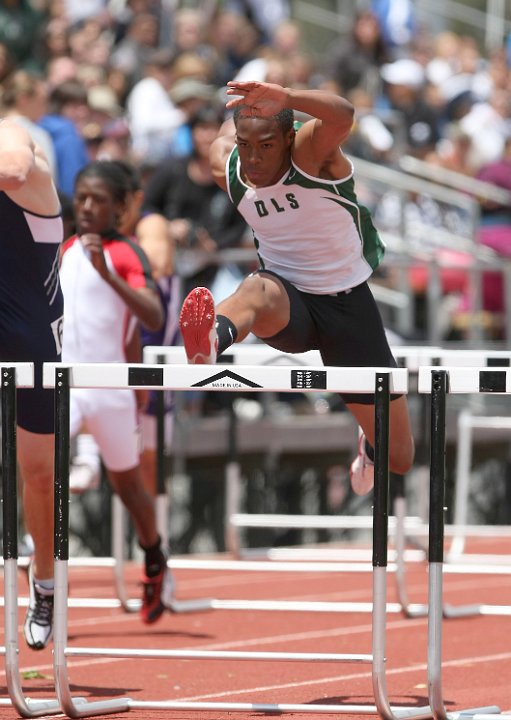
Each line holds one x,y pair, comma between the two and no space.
111,417
148,428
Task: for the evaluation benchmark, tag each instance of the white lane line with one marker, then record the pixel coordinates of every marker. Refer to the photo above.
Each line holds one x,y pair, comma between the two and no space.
354,676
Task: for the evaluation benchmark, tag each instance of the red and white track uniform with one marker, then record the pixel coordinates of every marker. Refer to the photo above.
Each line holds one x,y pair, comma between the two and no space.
97,326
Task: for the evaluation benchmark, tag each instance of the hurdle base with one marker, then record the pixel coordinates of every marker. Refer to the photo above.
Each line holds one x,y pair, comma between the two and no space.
490,712
280,708
79,707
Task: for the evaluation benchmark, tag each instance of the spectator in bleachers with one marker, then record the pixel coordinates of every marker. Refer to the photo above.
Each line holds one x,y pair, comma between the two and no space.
234,41
56,39
398,23
20,32
67,115
152,116
190,96
495,230
133,51
60,70
189,33
453,151
486,124
200,214
90,42
24,97
265,15
78,11
445,61
370,138
404,82
356,59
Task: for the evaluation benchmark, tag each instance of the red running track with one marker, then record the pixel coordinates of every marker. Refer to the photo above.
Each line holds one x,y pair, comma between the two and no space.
476,651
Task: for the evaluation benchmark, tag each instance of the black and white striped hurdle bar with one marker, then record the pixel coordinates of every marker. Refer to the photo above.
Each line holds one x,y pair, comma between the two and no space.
223,378
495,379
411,357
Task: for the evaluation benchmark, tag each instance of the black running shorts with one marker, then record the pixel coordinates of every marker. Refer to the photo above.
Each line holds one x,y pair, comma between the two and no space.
346,328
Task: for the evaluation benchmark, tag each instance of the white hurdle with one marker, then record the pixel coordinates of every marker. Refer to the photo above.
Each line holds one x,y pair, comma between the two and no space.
252,378
259,354
14,375
401,525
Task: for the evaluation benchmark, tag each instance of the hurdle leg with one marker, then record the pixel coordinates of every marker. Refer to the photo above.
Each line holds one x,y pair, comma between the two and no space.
119,516
73,707
463,462
162,500
118,543
436,550
380,553
232,488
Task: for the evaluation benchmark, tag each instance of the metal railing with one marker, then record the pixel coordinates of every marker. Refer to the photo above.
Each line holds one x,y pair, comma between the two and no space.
489,24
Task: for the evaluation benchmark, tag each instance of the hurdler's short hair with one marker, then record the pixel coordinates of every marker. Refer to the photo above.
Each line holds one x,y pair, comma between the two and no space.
284,119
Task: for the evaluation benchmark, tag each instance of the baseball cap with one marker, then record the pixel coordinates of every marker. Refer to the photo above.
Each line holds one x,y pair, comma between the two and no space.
191,88
404,71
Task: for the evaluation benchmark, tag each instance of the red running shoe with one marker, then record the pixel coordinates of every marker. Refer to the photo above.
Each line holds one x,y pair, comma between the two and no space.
157,595
197,322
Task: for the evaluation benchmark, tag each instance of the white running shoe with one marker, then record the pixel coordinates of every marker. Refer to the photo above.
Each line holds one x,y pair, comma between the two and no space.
197,322
38,627
362,470
83,476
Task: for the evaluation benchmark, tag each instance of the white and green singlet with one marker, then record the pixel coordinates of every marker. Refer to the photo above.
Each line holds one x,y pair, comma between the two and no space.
309,230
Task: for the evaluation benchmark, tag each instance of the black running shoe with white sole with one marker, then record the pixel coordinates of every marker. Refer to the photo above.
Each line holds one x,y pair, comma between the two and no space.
38,627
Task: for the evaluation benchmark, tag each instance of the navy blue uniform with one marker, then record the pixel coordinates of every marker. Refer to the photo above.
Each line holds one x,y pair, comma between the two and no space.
31,304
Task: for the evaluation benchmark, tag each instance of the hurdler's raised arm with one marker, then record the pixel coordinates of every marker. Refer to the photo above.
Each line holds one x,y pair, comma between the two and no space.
267,99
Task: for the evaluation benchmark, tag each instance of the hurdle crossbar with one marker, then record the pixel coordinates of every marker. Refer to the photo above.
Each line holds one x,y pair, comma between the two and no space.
379,382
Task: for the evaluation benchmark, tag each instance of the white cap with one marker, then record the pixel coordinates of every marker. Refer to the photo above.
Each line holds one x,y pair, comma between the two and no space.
404,72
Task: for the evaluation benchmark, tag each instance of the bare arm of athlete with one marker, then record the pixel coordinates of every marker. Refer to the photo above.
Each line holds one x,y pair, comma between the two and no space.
24,172
144,303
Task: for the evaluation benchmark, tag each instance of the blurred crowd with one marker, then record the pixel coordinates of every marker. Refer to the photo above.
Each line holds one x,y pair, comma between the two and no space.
143,81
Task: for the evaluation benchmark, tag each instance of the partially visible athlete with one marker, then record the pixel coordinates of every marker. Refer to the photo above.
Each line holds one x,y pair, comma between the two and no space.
31,310
317,248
